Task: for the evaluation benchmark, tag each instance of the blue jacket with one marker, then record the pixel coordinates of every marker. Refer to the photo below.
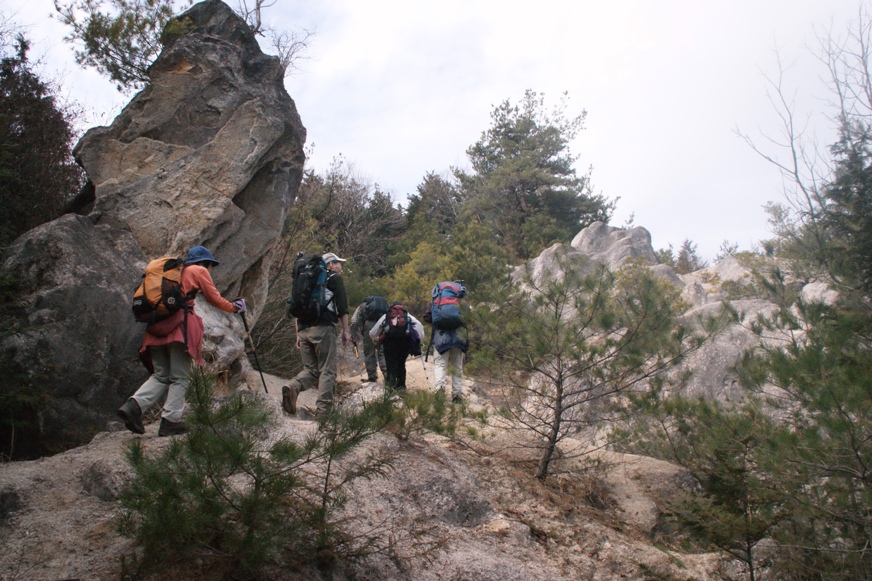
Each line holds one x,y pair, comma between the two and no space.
445,340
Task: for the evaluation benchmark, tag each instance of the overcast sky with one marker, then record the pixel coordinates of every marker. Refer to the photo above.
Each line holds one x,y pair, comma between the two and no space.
401,88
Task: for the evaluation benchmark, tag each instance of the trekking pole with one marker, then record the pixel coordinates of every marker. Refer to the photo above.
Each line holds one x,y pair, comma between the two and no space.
356,353
421,357
254,351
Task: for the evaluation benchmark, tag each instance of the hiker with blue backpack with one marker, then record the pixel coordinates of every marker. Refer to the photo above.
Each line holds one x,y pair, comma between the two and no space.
449,337
399,334
363,320
319,305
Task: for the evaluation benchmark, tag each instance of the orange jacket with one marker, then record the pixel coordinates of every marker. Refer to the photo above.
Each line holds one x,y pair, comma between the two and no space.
195,278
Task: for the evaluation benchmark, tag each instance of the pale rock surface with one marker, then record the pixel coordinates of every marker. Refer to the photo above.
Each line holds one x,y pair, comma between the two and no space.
612,246
819,292
704,285
489,518
703,290
597,244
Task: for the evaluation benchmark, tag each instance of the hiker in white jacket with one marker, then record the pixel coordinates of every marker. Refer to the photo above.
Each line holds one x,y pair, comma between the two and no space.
399,334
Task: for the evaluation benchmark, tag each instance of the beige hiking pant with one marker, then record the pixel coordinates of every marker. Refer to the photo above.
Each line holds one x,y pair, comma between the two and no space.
318,352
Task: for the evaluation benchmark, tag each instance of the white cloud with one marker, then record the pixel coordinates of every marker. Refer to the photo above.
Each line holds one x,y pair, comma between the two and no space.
404,87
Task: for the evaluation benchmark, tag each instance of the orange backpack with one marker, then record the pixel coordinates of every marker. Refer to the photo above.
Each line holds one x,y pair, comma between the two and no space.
160,294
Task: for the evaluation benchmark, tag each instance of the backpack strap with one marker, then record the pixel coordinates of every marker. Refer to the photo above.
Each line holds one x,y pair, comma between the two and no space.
332,298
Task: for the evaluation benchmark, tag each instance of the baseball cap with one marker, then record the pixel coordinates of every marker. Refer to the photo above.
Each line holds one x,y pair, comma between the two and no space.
330,257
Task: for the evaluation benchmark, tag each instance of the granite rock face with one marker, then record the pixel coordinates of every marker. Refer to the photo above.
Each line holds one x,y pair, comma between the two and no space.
209,153
612,246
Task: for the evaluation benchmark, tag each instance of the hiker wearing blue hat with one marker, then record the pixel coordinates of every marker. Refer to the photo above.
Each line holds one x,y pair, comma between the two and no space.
172,345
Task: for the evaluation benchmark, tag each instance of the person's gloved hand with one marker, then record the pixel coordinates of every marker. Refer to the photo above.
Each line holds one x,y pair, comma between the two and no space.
239,304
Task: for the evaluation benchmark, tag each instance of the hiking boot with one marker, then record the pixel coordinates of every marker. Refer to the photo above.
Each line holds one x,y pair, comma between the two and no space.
372,379
131,415
456,399
289,399
168,428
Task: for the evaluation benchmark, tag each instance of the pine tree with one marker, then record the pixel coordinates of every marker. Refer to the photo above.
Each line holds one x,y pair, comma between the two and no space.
231,495
575,342
524,185
744,495
38,175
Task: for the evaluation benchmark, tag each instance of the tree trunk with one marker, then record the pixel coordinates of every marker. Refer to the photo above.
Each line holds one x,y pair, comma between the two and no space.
551,443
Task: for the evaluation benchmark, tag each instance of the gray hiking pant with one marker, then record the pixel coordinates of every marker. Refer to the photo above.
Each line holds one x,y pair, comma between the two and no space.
373,356
172,373
318,352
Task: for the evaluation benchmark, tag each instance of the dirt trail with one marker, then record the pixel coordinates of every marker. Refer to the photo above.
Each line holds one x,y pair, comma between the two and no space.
350,372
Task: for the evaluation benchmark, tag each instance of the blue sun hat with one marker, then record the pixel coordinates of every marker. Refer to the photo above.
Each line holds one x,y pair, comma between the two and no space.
199,254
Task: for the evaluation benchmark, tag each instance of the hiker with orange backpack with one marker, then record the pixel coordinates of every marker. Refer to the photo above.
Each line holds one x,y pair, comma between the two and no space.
399,335
172,345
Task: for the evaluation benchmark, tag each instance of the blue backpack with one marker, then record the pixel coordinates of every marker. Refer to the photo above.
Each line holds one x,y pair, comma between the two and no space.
445,306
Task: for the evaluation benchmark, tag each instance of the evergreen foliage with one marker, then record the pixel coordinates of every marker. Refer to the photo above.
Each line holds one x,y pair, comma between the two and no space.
434,211
823,370
847,208
38,175
794,455
233,497
743,496
524,185
119,38
425,411
577,342
688,260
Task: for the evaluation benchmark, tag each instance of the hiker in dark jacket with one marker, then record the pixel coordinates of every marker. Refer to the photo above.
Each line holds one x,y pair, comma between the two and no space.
397,348
172,346
317,344
450,345
373,355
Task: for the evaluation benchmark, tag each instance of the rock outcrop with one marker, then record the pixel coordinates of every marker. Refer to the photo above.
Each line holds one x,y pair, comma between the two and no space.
612,246
705,292
211,153
597,244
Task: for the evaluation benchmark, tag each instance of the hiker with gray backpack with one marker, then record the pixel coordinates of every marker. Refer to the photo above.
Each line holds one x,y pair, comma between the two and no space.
363,320
173,340
449,337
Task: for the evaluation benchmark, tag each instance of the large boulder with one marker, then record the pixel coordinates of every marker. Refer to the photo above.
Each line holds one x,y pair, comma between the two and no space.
612,246
599,243
211,153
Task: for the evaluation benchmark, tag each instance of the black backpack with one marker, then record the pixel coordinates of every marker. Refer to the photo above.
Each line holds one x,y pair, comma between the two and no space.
374,307
308,288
